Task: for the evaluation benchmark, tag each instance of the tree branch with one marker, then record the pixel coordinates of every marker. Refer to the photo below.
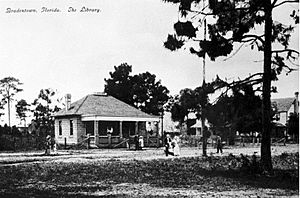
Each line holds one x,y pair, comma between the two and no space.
285,67
284,2
256,37
225,59
274,2
248,80
201,12
223,11
286,50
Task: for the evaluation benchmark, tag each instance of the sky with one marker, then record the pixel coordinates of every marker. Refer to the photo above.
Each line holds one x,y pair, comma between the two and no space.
73,52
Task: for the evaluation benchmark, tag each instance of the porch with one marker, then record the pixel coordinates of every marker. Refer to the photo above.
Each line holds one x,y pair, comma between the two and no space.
118,133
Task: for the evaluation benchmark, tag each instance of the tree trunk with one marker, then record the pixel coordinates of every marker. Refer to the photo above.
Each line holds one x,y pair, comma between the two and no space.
8,106
266,118
8,109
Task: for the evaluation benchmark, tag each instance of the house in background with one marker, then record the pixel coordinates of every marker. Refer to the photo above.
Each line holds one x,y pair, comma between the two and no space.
170,126
105,119
191,125
283,108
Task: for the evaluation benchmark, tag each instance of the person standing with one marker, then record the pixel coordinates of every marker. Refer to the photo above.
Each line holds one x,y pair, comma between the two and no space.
168,145
141,142
48,145
136,142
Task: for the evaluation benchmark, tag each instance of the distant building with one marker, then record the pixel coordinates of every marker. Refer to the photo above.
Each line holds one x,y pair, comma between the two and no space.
283,107
170,126
107,120
190,126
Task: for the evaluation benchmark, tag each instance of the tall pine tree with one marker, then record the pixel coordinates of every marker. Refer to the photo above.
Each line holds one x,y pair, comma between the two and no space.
230,22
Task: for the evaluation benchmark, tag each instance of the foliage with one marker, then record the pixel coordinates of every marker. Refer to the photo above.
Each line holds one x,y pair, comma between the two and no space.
142,91
241,110
44,106
21,108
9,86
232,22
195,101
178,113
184,103
7,130
119,85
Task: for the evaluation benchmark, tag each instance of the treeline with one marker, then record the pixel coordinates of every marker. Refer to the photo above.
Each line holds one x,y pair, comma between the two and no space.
13,131
20,138
40,110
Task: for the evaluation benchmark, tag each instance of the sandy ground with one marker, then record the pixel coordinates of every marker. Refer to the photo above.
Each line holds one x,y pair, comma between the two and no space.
14,158
144,189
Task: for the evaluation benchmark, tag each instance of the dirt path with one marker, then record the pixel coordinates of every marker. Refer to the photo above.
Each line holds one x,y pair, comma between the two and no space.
81,156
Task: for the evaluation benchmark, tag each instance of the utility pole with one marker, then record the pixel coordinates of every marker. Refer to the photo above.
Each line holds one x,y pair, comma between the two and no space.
204,53
204,146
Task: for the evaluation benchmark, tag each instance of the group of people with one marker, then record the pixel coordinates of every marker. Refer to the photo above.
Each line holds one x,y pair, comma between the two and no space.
172,145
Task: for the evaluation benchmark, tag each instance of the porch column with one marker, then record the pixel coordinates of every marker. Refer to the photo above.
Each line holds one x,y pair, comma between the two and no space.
95,127
136,128
96,132
121,132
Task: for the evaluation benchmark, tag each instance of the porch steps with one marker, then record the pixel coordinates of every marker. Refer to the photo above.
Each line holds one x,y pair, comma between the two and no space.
93,146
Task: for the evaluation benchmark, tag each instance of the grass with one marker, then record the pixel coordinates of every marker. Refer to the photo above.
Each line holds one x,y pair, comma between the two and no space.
213,174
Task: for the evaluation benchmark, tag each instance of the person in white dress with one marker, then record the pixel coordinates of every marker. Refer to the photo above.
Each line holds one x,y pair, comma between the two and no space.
176,148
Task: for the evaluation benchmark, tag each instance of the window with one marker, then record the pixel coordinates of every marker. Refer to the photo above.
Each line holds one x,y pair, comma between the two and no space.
71,127
59,128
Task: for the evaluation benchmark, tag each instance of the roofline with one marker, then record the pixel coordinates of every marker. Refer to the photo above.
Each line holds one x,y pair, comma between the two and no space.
282,98
80,105
66,115
116,118
282,111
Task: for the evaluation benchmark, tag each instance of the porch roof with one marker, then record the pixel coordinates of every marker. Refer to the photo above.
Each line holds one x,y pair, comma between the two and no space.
104,107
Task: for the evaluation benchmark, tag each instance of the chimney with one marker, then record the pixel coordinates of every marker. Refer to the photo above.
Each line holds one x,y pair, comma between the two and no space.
296,105
67,101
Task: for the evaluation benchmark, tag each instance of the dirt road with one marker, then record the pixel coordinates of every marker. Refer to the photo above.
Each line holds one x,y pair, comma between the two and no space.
10,158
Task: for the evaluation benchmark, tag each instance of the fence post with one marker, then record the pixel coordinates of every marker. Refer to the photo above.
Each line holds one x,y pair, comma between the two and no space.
109,140
65,143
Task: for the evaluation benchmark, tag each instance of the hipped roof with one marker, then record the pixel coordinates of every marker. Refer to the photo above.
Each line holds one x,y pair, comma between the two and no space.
102,105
